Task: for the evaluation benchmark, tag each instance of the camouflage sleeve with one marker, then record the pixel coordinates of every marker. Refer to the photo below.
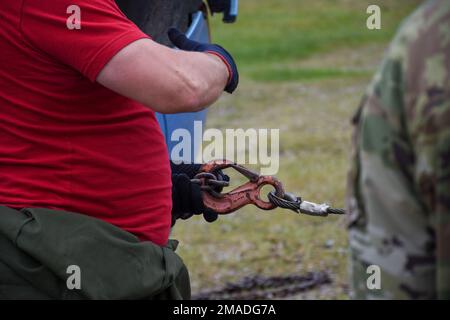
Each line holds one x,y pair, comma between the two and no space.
427,101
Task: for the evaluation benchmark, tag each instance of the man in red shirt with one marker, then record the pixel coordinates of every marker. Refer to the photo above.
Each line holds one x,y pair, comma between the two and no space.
77,125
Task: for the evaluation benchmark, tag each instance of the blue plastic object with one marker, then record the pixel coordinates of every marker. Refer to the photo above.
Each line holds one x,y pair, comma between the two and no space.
198,31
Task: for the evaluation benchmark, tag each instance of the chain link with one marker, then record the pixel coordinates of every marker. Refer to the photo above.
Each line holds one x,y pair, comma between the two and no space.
212,182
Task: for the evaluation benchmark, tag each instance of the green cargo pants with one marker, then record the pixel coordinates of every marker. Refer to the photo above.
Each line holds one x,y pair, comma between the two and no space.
40,247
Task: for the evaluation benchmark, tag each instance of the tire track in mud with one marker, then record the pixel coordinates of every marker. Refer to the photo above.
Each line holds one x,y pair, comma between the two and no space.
263,288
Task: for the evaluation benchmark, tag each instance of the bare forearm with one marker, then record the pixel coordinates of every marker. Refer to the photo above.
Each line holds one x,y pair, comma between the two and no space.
203,76
164,79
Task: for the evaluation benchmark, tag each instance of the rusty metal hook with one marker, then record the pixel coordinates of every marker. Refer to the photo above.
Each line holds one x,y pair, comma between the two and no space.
248,193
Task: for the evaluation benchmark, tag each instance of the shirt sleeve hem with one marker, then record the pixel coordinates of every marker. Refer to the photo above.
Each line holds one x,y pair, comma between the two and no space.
109,50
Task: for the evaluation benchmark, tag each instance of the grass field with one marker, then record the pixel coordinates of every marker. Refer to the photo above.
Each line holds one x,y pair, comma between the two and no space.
304,67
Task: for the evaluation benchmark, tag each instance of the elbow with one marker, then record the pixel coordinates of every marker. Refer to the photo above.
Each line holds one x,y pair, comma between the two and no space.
191,97
186,102
194,98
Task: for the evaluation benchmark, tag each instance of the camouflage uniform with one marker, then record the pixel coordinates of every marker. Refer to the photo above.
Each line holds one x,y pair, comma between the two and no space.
399,193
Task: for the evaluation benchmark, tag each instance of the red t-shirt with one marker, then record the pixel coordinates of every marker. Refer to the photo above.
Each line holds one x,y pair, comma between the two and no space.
66,142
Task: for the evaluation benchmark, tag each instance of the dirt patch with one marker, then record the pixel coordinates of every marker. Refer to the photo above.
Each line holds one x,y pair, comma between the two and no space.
262,288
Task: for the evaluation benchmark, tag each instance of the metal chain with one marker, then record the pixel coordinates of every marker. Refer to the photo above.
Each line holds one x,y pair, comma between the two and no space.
212,182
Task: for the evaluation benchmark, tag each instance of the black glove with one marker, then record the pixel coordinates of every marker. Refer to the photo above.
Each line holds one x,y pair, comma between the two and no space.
187,200
187,196
191,170
180,40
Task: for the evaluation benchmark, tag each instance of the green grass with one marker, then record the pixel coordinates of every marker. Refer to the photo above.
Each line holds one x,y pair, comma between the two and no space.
305,74
271,32
304,67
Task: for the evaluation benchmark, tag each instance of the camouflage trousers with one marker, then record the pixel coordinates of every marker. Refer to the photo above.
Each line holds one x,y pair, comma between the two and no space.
406,272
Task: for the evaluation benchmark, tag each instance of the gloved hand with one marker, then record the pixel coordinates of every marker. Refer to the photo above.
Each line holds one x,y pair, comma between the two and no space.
187,196
180,40
191,170
187,200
